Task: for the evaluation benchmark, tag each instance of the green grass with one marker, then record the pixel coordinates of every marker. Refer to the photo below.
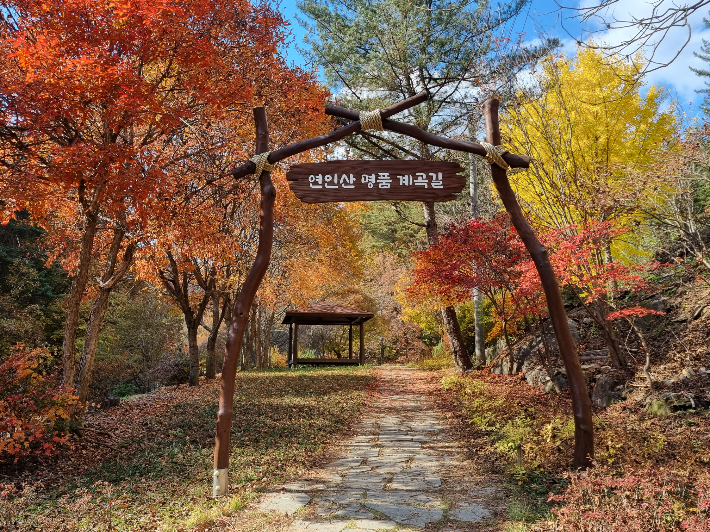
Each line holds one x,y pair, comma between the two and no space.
160,476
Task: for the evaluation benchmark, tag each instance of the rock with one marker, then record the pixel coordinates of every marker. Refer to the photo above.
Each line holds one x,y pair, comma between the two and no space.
556,385
658,408
491,353
702,370
605,369
536,377
573,329
688,372
601,395
675,401
112,401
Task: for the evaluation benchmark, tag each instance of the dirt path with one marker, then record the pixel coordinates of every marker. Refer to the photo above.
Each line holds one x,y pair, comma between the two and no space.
401,471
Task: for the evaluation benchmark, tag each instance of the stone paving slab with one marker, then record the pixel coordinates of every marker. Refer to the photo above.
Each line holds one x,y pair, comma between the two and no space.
392,475
287,503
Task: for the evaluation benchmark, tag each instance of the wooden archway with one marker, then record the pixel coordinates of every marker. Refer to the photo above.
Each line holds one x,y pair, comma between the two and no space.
581,403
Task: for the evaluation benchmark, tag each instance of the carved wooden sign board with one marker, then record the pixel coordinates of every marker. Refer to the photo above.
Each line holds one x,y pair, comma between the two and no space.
341,181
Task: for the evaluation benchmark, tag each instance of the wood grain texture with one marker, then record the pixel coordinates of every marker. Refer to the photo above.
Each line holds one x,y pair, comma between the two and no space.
441,181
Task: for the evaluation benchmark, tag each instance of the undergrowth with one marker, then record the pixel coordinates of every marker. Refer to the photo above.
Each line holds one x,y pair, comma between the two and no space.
651,473
147,464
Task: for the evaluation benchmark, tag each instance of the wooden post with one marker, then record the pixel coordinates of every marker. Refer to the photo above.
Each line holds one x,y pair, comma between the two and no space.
581,404
362,343
243,303
289,358
350,342
295,344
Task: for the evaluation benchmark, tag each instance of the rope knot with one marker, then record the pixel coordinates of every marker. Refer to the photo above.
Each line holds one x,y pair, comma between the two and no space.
262,163
371,120
493,155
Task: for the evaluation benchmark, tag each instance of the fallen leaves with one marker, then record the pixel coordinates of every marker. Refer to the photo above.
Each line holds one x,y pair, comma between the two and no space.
161,467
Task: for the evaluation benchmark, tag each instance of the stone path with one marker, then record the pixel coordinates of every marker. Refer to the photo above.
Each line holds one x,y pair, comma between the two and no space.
400,472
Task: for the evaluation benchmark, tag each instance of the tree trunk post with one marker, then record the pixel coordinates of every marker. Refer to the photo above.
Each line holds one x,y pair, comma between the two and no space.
581,404
362,343
350,342
289,356
242,305
448,314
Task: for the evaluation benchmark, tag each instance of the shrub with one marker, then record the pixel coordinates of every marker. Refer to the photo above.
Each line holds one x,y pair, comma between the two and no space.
651,500
441,358
34,410
277,359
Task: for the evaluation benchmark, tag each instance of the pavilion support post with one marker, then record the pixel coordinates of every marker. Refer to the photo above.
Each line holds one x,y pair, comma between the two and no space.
289,357
295,345
350,342
362,343
581,404
240,313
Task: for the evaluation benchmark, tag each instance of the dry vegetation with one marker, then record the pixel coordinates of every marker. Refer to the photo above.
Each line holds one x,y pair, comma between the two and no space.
147,464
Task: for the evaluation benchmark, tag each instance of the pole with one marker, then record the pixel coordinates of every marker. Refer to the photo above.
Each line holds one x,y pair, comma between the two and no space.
581,404
235,334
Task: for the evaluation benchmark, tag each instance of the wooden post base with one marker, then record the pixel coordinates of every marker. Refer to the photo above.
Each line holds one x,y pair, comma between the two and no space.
220,482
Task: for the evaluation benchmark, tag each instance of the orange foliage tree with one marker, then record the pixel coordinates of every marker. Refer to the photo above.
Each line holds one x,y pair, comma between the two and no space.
109,111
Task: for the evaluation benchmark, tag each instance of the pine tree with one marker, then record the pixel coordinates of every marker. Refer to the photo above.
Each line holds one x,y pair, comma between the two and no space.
704,73
376,52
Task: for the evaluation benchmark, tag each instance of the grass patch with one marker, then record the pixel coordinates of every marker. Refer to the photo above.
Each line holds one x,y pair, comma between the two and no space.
156,474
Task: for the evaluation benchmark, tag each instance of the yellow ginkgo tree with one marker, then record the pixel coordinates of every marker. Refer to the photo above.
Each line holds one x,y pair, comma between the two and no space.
587,122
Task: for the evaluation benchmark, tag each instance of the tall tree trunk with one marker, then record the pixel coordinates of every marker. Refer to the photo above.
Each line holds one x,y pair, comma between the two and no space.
76,293
581,404
112,274
218,315
266,348
600,312
193,351
448,314
88,356
253,336
178,287
479,329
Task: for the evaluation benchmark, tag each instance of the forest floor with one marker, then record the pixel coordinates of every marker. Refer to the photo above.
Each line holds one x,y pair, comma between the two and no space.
147,464
403,469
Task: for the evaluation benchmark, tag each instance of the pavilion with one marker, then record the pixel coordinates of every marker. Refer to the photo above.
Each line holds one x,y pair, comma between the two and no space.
326,314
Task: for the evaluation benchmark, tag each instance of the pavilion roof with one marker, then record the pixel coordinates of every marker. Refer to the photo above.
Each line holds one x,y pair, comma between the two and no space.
327,314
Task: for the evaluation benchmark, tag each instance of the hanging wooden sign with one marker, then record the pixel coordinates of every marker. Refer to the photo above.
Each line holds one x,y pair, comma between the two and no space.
339,181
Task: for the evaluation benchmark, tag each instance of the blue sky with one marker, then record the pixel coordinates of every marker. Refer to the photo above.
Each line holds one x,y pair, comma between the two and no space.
545,16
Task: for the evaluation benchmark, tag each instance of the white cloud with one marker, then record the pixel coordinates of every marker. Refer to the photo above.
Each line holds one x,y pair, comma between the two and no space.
677,76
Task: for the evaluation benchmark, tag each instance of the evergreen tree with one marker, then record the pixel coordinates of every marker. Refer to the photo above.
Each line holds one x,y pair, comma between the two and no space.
376,52
31,293
704,73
